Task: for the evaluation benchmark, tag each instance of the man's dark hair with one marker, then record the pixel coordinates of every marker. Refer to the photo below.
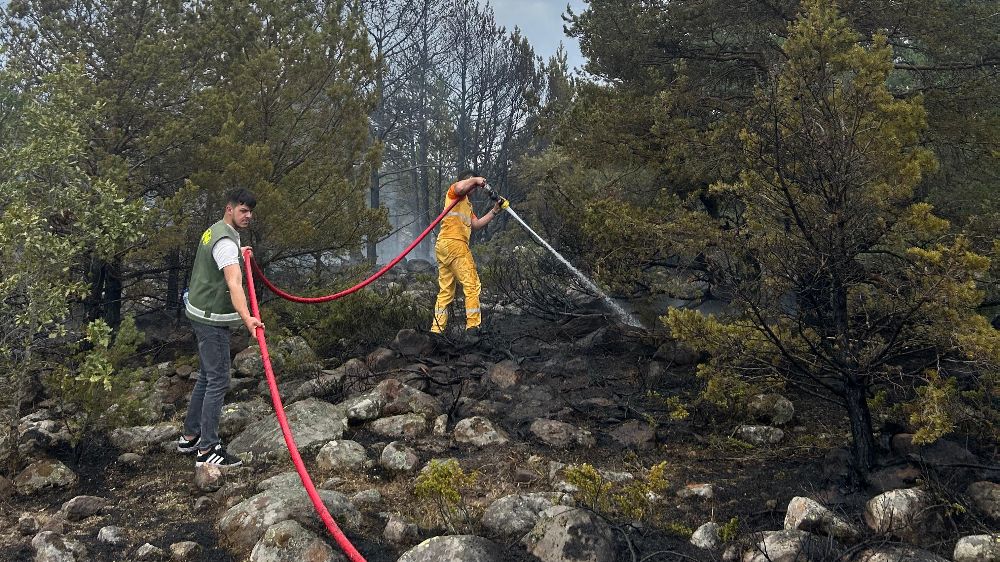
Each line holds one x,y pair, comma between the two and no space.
466,174
241,196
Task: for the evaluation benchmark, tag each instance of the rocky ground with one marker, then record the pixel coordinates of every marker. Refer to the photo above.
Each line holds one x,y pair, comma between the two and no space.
521,412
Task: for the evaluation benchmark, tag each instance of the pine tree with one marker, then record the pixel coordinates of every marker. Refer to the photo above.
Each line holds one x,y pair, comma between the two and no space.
843,283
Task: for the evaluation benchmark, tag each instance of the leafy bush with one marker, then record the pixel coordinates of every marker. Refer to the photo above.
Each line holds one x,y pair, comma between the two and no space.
353,324
440,488
633,499
96,395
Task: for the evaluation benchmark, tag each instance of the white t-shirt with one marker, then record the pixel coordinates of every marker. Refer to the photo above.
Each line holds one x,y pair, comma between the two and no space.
226,252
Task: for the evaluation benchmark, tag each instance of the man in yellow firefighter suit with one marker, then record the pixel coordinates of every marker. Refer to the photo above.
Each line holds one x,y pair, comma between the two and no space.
454,259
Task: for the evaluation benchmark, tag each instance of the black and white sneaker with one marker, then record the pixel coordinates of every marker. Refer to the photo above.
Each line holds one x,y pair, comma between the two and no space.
187,446
218,456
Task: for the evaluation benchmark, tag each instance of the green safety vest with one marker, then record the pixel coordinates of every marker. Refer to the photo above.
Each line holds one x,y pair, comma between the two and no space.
208,299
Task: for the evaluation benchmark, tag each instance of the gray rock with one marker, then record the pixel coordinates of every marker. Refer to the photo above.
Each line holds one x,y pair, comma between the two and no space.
514,515
315,422
760,435
455,548
43,475
406,426
635,435
242,525
479,432
28,524
329,382
287,541
895,477
977,548
248,362
707,537
381,359
441,425
791,546
938,453
53,547
412,343
400,398
397,457
565,534
807,515
111,535
985,496
907,514
772,409
701,491
367,498
238,416
892,553
504,374
208,478
399,531
417,265
185,550
343,456
143,438
561,434
130,459
289,479
82,507
149,552
299,358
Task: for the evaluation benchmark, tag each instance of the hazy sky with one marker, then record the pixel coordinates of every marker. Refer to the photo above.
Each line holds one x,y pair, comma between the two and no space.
541,22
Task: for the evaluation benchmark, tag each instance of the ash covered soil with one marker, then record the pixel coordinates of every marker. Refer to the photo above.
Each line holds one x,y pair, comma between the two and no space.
610,382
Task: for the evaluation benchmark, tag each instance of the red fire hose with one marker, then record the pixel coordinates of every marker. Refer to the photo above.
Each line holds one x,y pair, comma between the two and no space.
272,385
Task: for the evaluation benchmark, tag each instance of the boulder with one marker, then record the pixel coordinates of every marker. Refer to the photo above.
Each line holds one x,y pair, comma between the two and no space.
479,432
791,546
985,496
315,422
399,531
454,548
412,343
977,548
635,434
504,374
367,498
244,524
561,434
42,475
565,534
237,416
406,426
142,439
248,362
397,457
299,358
707,536
184,550
894,553
772,409
28,524
701,491
149,552
6,488
111,535
82,507
382,359
760,435
895,477
53,547
343,455
287,541
328,383
907,514
208,478
514,515
804,514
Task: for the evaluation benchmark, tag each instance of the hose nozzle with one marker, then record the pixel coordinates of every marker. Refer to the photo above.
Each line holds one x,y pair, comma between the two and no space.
492,194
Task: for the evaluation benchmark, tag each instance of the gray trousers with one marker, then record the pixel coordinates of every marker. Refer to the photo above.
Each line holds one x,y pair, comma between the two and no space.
213,383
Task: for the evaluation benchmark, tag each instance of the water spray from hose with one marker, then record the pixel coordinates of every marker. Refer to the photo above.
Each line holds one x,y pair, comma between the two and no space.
626,317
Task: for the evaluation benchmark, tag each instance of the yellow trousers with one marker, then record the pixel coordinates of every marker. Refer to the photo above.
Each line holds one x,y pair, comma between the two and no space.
455,264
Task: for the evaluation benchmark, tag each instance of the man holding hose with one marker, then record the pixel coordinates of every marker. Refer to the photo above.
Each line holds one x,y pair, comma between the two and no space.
454,259
214,302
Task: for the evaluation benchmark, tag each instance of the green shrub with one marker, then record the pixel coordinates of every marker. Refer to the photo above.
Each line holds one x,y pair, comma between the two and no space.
440,487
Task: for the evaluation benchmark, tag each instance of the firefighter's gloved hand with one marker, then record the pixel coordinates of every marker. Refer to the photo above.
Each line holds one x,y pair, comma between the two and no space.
500,205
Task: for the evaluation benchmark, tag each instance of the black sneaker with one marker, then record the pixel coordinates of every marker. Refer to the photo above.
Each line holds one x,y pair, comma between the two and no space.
185,446
218,456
